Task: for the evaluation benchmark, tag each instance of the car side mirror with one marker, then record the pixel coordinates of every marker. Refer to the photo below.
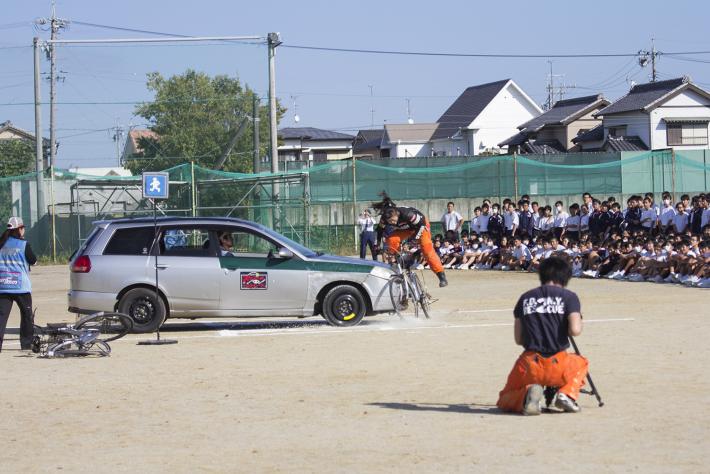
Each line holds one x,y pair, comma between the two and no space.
285,253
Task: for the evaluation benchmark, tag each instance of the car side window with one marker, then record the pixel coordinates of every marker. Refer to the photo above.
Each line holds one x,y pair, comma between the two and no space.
245,243
185,242
130,241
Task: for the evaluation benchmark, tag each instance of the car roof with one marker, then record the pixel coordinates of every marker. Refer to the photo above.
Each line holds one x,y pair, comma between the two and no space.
163,220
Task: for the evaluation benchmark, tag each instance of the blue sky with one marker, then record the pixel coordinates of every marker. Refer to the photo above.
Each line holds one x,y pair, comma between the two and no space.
331,89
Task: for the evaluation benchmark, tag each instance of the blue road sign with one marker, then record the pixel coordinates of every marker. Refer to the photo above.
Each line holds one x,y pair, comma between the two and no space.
155,185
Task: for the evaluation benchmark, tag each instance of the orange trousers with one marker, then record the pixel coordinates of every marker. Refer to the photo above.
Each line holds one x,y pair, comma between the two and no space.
394,239
564,370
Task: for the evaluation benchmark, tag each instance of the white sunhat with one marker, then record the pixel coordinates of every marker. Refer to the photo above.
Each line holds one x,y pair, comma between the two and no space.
15,223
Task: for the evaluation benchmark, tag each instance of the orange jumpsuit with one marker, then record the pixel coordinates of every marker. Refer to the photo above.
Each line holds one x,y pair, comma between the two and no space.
564,370
427,246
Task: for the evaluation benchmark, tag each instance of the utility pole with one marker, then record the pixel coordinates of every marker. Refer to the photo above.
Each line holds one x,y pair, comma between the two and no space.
255,122
645,56
552,89
273,40
117,136
55,24
372,107
39,142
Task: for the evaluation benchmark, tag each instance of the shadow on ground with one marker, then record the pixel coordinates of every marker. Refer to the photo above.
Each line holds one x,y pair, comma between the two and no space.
474,408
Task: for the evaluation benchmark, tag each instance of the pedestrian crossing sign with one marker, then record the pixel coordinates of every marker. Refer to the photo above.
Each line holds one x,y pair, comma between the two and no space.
155,185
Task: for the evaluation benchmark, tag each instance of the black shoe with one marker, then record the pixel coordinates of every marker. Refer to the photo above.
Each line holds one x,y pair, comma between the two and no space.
442,279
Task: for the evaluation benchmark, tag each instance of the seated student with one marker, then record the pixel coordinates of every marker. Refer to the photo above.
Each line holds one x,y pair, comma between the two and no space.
521,256
470,253
545,317
497,255
487,249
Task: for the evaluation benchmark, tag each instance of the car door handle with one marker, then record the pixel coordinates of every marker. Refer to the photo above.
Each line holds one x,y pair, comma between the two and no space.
162,266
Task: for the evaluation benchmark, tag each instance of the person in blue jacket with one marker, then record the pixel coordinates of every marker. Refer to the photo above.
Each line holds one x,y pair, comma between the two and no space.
16,256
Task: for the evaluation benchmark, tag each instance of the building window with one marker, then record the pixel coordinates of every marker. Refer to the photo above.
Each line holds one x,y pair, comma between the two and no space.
617,131
682,133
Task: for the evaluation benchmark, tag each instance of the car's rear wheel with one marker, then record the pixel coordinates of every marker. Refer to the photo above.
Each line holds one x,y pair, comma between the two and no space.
141,305
344,305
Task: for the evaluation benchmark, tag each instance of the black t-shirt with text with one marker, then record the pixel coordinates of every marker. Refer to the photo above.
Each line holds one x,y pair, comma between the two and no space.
543,312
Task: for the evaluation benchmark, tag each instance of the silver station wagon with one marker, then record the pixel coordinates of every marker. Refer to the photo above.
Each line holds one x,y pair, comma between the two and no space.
218,267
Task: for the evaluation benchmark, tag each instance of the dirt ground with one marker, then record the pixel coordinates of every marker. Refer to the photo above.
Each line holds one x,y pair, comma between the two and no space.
386,396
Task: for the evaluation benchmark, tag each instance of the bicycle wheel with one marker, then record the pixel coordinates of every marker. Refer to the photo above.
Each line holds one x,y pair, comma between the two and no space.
72,348
111,326
424,301
398,293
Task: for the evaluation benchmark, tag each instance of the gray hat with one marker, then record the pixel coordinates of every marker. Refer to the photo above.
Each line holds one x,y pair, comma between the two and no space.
15,223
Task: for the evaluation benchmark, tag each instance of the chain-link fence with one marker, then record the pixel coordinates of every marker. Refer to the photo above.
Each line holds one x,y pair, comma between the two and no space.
318,205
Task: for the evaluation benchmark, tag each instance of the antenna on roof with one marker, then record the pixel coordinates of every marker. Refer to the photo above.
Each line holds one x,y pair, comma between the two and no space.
410,120
296,118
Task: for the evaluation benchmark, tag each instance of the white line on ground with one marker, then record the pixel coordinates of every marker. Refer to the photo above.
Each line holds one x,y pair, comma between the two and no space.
393,326
484,310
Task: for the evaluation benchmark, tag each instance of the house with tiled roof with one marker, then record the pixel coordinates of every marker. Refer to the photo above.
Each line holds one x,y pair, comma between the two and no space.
367,143
554,130
665,114
133,146
407,140
313,144
8,131
481,118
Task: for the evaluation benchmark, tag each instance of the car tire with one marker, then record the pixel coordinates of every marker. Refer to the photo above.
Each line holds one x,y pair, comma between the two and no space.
344,305
141,306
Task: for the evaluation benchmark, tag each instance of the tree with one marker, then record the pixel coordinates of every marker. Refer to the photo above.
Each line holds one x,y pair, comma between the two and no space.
16,157
195,117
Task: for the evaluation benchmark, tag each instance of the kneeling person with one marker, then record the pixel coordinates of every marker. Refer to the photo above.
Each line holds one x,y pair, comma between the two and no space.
545,317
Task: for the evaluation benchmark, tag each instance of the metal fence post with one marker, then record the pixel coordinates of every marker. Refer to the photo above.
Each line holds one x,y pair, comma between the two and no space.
354,208
673,172
515,175
192,188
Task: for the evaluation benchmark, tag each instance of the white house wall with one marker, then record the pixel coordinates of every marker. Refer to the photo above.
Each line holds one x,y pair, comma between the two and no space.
685,104
637,124
499,120
403,150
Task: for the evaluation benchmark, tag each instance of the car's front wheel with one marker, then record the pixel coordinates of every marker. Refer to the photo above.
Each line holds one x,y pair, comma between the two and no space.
344,305
141,305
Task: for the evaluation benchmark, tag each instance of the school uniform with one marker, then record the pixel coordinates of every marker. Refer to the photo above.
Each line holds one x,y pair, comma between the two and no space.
496,226
648,219
367,236
526,223
666,217
511,220
680,221
560,223
573,225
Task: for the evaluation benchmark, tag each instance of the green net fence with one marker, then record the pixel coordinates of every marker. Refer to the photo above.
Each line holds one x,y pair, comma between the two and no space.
317,205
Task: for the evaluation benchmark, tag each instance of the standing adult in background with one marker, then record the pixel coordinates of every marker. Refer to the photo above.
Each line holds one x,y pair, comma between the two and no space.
452,220
16,256
366,223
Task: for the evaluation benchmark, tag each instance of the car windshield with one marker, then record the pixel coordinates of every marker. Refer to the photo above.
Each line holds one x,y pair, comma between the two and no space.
305,251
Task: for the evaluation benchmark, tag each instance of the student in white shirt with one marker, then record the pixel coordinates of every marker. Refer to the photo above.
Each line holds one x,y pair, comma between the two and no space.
560,219
451,219
547,222
584,221
649,216
512,221
475,224
483,218
680,220
667,213
573,223
521,255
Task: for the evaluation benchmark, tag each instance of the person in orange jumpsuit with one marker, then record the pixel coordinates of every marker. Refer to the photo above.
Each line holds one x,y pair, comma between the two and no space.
545,317
403,223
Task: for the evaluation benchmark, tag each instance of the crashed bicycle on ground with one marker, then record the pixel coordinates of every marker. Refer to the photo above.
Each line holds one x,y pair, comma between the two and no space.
89,336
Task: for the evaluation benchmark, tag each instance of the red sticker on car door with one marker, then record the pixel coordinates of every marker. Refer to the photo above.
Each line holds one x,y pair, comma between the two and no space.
254,280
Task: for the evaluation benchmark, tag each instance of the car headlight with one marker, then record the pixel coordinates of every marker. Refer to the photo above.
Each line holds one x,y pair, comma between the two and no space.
381,272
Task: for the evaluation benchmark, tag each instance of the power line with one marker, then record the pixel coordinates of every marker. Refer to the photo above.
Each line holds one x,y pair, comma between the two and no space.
121,28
